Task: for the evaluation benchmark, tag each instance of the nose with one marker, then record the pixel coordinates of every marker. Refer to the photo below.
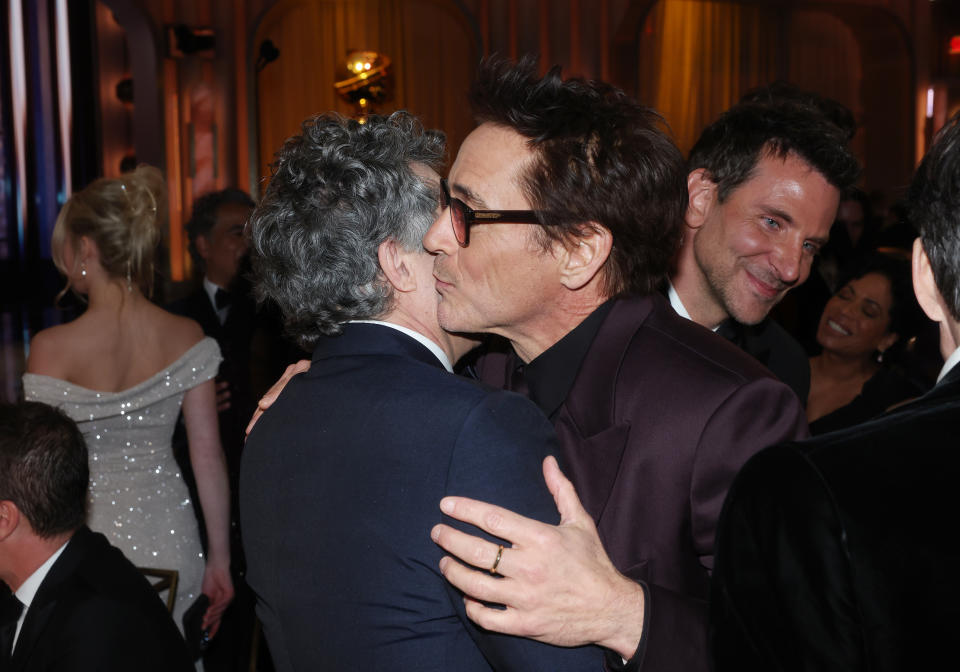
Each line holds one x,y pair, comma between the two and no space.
439,237
791,265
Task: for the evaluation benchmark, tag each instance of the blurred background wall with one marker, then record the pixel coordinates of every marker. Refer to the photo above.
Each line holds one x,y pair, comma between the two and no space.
209,89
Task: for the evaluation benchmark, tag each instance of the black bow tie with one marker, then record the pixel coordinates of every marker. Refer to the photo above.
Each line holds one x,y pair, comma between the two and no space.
222,299
731,330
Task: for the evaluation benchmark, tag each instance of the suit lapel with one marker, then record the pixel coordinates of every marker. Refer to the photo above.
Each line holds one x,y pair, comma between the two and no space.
592,435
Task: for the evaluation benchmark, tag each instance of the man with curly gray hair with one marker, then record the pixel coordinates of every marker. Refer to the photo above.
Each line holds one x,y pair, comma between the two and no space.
342,475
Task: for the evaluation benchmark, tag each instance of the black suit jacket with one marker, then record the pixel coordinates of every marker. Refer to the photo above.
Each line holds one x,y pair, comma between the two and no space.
235,337
662,414
95,612
772,346
340,486
840,553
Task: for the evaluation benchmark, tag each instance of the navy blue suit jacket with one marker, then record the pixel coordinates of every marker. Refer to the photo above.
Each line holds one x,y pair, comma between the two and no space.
340,485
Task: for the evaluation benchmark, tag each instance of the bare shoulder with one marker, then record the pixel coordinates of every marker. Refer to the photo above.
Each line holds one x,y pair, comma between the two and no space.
48,350
182,332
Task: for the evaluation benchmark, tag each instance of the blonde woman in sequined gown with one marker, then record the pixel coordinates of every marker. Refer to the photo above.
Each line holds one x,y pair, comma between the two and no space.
122,370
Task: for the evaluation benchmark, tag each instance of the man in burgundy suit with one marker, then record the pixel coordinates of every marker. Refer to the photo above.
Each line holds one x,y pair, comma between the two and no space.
581,198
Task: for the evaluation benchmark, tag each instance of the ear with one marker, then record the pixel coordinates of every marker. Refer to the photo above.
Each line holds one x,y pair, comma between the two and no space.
887,341
393,262
87,249
702,195
202,243
924,285
582,257
9,518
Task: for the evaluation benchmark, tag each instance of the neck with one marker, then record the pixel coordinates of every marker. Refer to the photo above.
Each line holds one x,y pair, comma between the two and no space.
113,294
834,365
405,315
949,337
28,552
530,339
221,280
693,289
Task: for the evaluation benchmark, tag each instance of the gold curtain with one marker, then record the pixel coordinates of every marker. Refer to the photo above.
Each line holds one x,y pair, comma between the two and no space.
433,50
825,57
697,57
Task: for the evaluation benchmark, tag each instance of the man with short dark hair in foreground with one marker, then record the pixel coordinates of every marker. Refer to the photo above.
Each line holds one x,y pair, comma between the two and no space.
77,604
840,553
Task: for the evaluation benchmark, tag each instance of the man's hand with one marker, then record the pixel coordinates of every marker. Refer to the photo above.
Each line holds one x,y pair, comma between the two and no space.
557,582
223,396
266,401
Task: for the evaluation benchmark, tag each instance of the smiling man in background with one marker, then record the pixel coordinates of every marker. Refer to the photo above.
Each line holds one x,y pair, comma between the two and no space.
764,184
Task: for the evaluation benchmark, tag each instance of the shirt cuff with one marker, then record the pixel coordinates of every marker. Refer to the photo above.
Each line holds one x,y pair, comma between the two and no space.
614,662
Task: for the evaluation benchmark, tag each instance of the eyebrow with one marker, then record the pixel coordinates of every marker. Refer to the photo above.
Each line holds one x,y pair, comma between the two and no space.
785,216
466,194
866,299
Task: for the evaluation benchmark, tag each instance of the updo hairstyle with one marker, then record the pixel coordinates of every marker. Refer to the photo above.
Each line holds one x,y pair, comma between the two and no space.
122,216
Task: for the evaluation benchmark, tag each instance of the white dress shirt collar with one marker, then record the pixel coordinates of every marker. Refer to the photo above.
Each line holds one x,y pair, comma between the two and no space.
417,336
28,589
675,301
211,290
951,362
677,304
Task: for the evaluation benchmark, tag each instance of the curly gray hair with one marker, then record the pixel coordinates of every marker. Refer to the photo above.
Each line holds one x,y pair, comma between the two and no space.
338,190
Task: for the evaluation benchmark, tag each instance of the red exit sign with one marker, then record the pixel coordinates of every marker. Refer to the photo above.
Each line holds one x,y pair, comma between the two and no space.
955,44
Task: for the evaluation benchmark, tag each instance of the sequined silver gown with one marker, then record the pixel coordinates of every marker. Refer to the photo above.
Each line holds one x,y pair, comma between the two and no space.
138,498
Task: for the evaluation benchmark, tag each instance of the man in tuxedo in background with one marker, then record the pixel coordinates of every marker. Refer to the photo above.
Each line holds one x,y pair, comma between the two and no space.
341,476
562,214
77,604
840,553
249,341
764,183
222,305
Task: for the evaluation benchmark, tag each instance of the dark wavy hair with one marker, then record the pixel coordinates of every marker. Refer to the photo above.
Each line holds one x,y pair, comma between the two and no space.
905,314
204,215
338,190
43,467
598,157
933,207
768,123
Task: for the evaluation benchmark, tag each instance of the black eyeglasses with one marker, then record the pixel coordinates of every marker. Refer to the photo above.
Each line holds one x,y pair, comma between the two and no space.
462,216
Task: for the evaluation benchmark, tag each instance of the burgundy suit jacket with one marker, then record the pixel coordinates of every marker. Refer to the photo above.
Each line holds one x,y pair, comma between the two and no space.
660,418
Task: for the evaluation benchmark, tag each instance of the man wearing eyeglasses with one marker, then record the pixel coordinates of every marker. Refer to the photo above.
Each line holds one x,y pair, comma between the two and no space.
562,213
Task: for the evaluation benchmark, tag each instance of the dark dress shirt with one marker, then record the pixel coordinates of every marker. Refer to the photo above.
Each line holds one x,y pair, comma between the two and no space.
659,417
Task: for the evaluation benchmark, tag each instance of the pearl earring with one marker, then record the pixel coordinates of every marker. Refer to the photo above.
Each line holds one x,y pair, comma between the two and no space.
83,270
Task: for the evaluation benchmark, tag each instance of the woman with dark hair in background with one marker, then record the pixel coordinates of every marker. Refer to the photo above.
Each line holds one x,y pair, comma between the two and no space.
862,328
122,370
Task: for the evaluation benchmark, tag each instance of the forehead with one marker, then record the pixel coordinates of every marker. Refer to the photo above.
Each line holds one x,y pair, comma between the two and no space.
790,186
489,165
873,286
232,214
